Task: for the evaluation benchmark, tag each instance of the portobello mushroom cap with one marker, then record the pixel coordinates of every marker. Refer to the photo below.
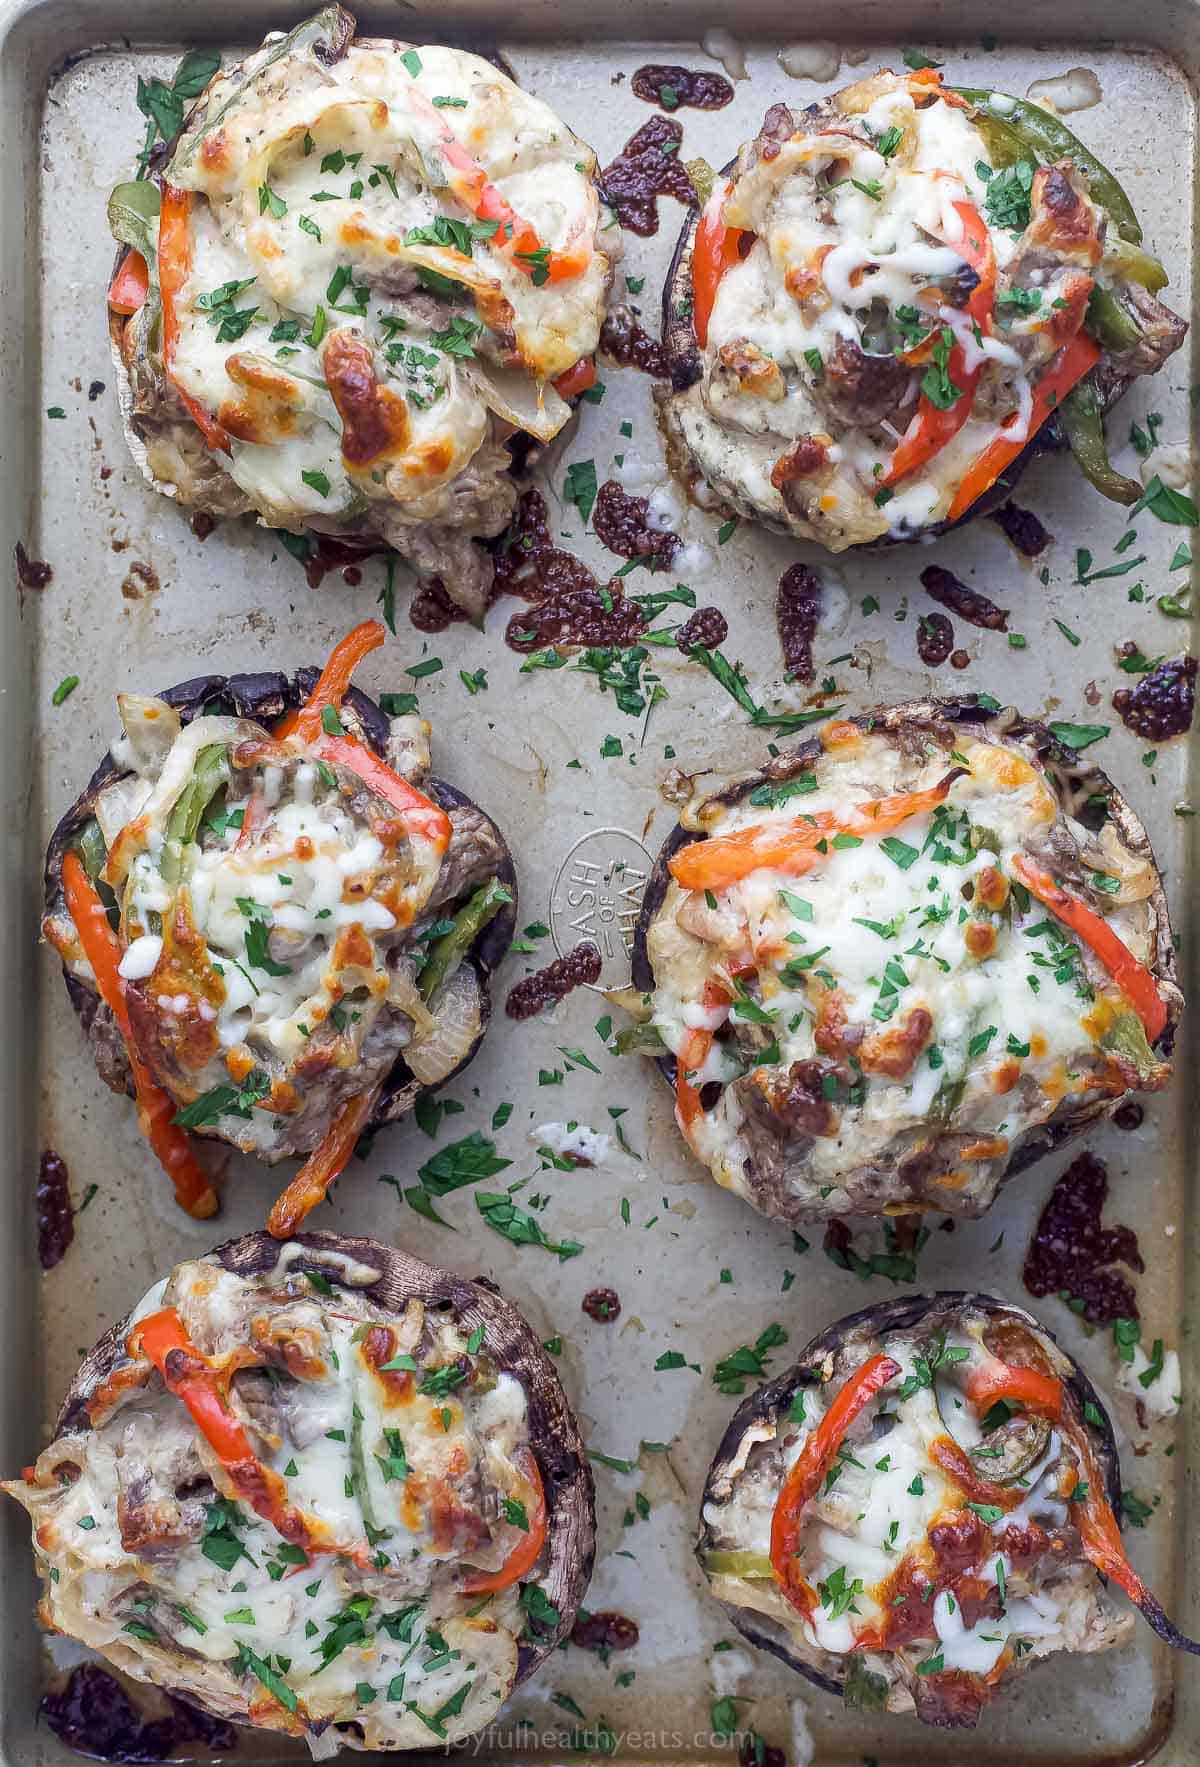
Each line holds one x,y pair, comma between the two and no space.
433,477
906,1174
870,383
265,697
748,1470
281,1325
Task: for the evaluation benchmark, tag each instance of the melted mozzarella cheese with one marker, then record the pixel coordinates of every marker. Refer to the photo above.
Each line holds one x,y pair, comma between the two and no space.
884,924
300,910
328,199
378,1630
845,237
867,1532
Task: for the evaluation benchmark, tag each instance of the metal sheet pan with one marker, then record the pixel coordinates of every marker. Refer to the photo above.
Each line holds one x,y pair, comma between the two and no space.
137,600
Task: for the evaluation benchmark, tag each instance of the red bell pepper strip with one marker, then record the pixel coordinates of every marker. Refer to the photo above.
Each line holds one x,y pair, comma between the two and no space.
1133,978
323,1165
475,190
1069,366
333,682
130,285
1101,1540
691,1058
1024,1386
932,427
254,817
926,82
578,379
419,814
527,1550
163,1340
155,1107
957,1464
187,1374
810,1467
716,863
174,268
715,249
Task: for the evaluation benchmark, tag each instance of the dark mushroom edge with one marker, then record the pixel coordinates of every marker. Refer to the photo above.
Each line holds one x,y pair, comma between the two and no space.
947,1698
938,719
337,1262
264,697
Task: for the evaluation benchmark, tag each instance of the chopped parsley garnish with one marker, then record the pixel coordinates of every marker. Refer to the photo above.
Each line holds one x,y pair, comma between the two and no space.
1023,300
925,1367
231,321
393,1465
1007,200
258,954
1079,736
514,1514
899,852
519,1227
222,1101
838,1595
936,383
220,1543
730,1372
357,294
580,487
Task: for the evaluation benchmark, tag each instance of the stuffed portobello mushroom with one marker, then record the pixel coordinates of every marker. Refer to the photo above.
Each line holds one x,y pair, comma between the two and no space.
321,1488
275,927
354,274
922,1508
901,962
891,299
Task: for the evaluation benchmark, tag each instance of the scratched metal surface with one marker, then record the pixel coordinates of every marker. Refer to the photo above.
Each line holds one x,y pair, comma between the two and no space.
138,601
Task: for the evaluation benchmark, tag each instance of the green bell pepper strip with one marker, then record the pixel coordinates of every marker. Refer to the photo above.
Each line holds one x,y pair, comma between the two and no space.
1015,129
1131,264
133,212
133,216
332,27
1082,423
211,773
639,1040
1110,323
93,850
1126,1036
447,953
738,1564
